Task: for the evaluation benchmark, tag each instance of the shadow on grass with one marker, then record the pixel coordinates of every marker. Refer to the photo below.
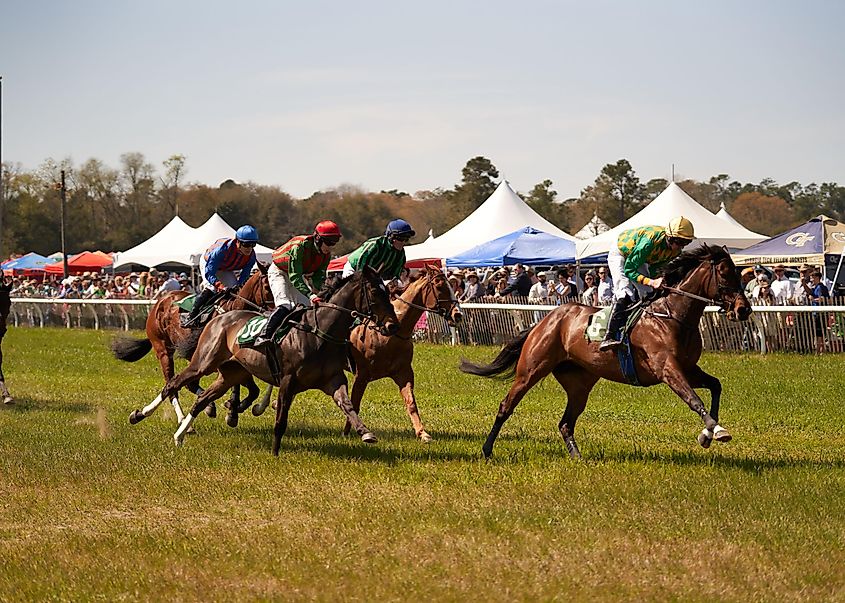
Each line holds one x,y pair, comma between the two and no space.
24,404
749,464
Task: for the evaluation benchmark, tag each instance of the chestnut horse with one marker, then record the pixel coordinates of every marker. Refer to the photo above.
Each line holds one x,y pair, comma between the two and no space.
665,343
311,356
165,333
377,356
5,307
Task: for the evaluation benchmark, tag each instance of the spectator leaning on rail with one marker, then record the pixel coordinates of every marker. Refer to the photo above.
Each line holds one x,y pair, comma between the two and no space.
521,283
385,253
298,272
637,254
540,290
219,264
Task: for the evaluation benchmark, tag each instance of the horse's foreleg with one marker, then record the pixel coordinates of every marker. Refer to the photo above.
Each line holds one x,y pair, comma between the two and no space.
262,405
577,383
252,393
283,402
406,388
4,391
359,386
337,390
698,378
230,373
677,381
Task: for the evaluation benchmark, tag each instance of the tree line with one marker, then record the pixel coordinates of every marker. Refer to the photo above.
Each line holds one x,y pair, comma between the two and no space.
114,209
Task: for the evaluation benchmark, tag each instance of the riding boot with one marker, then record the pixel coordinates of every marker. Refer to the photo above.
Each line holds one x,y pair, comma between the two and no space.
273,323
618,316
201,300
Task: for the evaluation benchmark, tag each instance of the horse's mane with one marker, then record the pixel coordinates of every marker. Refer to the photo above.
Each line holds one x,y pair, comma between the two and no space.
333,285
676,270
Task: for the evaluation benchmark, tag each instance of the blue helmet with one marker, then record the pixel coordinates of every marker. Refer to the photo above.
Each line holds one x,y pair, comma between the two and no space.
399,229
247,233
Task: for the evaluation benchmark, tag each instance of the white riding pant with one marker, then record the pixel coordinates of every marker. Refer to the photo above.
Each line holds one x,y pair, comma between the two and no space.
284,293
622,285
227,277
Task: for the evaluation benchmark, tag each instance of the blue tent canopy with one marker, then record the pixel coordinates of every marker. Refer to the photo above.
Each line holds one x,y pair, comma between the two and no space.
809,242
30,261
524,246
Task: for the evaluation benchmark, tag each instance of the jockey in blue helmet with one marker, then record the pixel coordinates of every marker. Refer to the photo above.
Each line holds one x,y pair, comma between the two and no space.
220,263
385,253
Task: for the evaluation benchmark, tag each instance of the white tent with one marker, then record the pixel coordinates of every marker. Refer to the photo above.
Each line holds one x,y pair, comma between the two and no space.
178,243
723,213
594,227
502,213
670,203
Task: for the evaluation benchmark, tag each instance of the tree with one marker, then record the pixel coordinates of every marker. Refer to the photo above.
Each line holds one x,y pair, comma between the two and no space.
543,200
174,167
766,215
477,185
616,194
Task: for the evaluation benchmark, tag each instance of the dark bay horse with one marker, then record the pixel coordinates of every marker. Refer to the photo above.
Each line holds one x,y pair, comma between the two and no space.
165,333
313,355
5,307
665,342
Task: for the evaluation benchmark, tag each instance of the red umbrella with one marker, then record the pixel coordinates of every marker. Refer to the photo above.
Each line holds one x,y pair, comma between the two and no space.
86,261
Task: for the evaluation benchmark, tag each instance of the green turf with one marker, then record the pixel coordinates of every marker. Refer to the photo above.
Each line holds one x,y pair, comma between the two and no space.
95,509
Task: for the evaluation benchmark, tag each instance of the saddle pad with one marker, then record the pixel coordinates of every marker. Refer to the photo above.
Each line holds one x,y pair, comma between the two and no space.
251,329
187,304
597,325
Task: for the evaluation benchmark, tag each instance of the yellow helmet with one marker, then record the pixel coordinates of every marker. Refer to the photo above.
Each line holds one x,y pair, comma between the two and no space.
681,228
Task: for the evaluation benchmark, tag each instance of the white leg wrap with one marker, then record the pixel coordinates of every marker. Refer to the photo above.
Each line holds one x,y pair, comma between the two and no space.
179,414
707,433
149,408
184,426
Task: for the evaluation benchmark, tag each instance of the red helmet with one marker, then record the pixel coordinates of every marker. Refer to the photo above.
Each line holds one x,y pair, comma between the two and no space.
327,228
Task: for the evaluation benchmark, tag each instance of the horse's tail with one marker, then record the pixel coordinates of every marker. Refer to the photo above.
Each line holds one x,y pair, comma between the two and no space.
129,349
504,364
187,346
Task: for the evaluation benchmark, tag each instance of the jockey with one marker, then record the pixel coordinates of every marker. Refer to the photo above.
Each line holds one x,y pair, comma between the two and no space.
385,253
220,262
302,259
639,252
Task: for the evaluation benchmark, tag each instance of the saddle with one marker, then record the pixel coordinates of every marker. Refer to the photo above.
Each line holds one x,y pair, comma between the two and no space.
597,323
253,327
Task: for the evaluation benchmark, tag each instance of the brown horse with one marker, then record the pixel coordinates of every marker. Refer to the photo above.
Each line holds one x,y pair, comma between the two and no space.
311,356
376,356
5,307
165,333
665,343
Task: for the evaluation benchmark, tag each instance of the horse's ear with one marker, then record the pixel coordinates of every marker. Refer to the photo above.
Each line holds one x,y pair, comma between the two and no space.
433,268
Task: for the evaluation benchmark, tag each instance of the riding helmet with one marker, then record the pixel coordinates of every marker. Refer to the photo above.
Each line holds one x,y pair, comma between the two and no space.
680,228
247,234
399,229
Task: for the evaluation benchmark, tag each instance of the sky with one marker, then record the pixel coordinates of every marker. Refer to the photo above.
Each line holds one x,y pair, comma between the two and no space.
314,95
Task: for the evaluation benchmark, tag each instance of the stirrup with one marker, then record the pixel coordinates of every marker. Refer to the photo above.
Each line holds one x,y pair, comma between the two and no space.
609,344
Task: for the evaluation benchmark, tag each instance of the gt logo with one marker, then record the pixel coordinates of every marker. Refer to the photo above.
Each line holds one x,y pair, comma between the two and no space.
799,239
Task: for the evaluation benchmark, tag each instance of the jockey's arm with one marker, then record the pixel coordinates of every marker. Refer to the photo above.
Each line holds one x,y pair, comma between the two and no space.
245,272
296,273
211,265
636,259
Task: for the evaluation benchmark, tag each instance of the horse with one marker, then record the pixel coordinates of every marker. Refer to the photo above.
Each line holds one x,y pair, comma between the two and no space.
665,346
165,332
312,355
5,307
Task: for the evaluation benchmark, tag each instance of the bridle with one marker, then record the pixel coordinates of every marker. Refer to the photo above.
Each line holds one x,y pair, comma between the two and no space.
722,290
438,309
368,318
260,306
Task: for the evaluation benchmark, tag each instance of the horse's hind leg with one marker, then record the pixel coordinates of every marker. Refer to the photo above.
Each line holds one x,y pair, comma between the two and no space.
577,383
526,377
4,391
698,378
262,405
230,373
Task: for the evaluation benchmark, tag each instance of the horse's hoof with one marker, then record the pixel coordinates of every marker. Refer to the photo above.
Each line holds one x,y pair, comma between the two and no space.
487,453
178,441
136,417
720,434
425,438
257,411
232,419
704,440
8,400
211,410
369,438
228,404
190,430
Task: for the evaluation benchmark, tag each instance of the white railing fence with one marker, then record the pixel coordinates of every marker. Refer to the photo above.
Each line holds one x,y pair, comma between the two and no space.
771,328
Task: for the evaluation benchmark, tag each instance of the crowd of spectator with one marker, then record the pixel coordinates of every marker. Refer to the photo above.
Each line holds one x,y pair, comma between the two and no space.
96,285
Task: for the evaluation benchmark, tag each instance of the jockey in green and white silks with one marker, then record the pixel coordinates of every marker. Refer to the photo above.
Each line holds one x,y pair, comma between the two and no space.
634,260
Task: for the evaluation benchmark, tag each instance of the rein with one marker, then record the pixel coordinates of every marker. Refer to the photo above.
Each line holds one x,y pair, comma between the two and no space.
436,309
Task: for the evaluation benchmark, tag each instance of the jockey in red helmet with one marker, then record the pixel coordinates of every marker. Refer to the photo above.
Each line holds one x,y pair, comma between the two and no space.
298,272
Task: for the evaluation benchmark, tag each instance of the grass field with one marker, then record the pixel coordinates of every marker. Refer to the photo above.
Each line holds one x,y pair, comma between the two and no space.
93,508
